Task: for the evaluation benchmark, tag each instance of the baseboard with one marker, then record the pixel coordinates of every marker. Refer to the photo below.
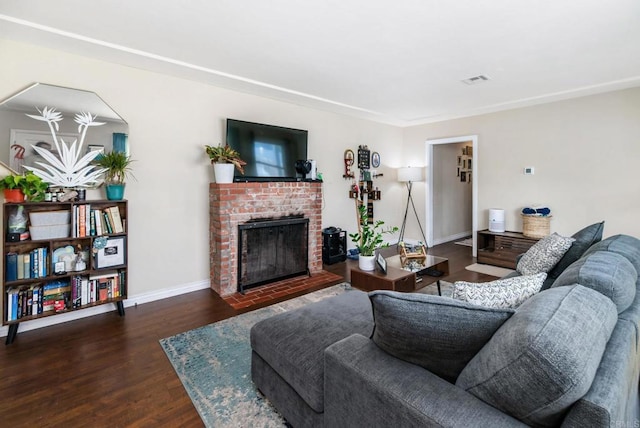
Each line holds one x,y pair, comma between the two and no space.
451,238
84,313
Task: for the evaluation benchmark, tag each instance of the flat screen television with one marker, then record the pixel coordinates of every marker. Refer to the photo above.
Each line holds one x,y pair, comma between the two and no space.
269,151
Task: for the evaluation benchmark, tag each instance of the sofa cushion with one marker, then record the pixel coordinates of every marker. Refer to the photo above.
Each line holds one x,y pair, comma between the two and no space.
544,254
293,343
544,358
625,245
437,333
501,293
605,272
584,239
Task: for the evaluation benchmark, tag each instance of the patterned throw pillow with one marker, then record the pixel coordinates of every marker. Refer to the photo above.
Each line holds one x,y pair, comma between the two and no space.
502,293
544,254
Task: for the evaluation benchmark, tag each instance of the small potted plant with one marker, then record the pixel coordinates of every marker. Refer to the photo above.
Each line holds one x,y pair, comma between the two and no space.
224,160
117,167
369,238
19,187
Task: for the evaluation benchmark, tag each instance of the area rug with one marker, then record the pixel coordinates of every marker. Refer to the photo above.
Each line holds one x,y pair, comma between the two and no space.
214,364
489,270
466,242
445,287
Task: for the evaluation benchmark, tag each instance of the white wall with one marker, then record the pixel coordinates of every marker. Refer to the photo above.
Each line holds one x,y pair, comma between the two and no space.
170,120
585,152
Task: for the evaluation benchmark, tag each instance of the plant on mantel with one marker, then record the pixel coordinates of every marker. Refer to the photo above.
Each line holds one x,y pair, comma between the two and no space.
225,154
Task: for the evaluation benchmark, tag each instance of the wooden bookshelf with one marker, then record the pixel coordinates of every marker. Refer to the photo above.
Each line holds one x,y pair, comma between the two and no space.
63,272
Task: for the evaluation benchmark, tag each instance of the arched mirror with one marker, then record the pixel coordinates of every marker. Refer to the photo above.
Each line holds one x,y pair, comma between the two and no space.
18,132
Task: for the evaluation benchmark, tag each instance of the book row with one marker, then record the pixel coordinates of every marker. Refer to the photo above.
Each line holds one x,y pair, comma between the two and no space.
62,295
87,221
26,266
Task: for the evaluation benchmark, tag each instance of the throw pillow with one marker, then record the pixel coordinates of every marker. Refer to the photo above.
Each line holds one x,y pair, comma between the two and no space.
545,357
584,239
544,254
605,272
502,293
437,333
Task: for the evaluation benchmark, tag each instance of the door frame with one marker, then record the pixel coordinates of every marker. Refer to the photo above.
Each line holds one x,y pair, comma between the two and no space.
474,185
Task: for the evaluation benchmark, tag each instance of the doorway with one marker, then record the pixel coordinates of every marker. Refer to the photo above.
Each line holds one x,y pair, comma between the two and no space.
470,175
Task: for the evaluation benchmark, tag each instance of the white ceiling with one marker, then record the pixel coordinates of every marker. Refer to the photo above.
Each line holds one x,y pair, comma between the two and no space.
399,62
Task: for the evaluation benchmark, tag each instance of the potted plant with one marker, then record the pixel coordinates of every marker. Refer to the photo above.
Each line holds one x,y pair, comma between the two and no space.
117,167
369,238
19,187
224,159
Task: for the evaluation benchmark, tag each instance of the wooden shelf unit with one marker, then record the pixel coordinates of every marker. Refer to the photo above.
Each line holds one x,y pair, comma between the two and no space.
92,271
502,248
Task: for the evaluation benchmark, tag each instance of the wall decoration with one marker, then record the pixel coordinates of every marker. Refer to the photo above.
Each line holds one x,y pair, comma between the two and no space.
364,157
375,159
69,168
349,157
463,176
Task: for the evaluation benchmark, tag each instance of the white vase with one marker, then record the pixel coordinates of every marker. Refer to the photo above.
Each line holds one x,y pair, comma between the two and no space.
223,172
367,262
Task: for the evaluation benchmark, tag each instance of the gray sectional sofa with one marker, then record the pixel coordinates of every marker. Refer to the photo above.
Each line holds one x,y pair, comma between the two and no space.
568,356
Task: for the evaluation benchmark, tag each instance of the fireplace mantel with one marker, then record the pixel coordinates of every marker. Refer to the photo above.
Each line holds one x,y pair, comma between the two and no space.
236,203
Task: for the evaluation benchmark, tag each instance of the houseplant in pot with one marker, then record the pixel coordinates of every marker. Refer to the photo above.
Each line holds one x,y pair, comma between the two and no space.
117,167
10,185
18,188
369,238
224,160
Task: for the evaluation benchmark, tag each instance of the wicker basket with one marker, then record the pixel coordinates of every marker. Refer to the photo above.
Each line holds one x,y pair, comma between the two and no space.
535,226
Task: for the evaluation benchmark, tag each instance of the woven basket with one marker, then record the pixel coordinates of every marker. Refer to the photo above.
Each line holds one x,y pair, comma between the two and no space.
535,226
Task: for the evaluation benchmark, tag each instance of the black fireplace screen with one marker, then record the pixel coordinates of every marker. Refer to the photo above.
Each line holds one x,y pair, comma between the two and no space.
270,250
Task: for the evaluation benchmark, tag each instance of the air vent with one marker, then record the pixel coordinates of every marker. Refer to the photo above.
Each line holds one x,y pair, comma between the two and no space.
476,79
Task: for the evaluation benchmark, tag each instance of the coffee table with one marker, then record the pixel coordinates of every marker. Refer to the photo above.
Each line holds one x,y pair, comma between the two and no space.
399,279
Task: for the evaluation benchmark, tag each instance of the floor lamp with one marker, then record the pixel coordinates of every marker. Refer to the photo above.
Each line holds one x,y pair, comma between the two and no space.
408,176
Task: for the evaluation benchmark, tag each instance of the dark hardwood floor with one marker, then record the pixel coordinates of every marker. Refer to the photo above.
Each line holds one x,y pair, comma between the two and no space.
111,371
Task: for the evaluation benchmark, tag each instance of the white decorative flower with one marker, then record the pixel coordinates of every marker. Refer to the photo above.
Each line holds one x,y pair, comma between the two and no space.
49,115
70,170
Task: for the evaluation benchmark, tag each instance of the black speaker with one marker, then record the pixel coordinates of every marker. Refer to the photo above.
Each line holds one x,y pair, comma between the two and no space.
334,245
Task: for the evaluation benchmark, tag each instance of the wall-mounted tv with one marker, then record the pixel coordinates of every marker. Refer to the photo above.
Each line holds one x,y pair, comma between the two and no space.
269,151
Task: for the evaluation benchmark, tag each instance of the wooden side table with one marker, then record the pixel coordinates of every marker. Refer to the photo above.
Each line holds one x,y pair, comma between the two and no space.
502,248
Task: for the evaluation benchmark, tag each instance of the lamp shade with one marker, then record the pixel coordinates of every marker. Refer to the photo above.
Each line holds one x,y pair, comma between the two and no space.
409,174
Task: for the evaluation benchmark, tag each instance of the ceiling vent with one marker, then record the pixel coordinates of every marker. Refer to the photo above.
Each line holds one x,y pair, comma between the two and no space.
476,79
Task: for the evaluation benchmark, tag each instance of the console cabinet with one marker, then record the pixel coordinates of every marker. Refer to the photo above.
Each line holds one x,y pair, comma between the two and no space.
502,248
63,267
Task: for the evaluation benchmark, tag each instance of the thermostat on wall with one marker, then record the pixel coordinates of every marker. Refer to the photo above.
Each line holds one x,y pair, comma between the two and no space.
528,170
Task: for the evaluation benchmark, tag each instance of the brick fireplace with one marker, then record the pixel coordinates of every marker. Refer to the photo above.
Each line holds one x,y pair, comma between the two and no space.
237,203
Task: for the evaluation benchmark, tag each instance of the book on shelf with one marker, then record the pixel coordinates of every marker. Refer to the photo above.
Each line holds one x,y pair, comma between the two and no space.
11,262
98,221
107,223
82,221
26,262
114,215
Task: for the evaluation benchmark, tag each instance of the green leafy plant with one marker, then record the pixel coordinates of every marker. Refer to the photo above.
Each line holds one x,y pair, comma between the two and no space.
369,236
31,185
225,154
117,166
11,181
